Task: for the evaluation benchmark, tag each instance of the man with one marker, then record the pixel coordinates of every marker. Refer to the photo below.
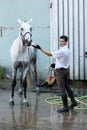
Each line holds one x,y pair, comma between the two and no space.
62,63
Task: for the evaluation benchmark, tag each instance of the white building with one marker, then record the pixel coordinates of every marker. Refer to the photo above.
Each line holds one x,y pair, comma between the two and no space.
69,17
51,18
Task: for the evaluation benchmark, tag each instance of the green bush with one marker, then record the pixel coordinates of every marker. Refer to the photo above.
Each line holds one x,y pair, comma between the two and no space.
77,83
2,71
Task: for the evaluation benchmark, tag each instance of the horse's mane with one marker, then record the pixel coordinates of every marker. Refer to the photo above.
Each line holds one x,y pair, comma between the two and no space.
16,48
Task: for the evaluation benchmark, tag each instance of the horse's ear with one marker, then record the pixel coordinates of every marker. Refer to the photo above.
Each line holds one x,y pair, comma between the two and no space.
19,21
30,21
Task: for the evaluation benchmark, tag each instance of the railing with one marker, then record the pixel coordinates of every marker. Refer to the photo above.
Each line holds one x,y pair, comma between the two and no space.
16,28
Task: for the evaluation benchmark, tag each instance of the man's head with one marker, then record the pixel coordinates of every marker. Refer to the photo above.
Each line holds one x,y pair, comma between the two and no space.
63,40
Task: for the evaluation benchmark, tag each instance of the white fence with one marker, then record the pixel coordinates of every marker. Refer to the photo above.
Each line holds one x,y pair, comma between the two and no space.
69,17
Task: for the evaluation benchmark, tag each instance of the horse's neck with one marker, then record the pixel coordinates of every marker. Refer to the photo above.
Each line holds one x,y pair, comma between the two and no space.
16,48
19,45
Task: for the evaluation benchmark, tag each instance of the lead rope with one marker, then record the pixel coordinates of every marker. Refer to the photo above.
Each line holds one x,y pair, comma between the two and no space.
28,75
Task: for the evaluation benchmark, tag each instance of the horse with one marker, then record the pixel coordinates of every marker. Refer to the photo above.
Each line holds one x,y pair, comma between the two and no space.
23,58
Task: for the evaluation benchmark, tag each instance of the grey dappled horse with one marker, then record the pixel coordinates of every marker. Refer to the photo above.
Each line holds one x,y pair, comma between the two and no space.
23,57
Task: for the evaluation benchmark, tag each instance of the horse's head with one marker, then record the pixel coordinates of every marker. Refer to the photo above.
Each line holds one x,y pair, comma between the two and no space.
26,32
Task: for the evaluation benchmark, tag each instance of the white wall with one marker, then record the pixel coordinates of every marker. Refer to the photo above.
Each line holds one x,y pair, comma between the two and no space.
10,11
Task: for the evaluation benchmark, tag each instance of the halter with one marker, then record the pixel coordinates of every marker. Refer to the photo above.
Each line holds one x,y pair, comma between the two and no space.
25,42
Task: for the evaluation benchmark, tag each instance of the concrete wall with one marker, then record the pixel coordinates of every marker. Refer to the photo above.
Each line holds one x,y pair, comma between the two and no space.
10,11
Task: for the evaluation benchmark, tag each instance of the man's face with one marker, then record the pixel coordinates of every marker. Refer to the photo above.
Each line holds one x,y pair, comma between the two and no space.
62,42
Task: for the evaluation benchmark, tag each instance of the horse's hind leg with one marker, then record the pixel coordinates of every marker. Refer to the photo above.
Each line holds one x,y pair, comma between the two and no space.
13,84
34,71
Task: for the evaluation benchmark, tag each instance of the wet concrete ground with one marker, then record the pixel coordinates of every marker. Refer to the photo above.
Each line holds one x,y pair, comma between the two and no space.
39,115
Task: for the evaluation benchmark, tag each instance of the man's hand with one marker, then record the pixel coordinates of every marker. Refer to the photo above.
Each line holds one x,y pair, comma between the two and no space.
36,46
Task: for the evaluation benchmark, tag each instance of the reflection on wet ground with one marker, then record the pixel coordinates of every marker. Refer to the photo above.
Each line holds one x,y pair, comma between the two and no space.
80,92
39,115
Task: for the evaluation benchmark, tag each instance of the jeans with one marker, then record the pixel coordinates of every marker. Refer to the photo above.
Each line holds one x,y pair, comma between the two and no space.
62,82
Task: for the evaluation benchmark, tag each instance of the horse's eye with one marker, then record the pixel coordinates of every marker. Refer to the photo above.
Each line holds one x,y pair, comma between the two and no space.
22,29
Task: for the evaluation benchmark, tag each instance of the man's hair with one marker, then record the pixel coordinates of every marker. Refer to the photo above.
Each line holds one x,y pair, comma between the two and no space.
64,37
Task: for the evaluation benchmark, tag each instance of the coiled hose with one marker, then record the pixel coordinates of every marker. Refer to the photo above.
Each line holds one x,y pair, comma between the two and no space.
56,100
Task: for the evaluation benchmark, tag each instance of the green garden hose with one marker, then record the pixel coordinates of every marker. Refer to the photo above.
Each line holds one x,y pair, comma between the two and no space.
56,100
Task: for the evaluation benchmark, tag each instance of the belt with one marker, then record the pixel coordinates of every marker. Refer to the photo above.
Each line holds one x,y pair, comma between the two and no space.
62,69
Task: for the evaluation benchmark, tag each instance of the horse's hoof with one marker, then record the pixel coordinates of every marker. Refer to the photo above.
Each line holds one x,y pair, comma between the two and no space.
37,89
11,103
26,104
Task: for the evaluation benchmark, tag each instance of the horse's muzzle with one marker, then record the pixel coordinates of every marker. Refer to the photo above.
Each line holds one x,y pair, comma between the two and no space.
27,43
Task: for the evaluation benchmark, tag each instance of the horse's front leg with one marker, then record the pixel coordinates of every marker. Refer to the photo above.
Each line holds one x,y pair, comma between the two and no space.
25,102
20,91
13,84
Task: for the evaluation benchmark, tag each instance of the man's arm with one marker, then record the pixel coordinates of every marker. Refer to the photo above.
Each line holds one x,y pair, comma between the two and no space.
46,52
42,50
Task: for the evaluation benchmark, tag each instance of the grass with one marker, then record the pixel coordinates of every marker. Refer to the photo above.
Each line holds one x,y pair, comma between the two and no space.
77,83
2,72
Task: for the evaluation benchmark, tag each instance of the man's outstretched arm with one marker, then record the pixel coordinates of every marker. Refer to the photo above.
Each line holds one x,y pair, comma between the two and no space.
46,52
42,50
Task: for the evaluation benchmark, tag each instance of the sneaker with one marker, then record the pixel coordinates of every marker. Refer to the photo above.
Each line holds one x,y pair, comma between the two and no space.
73,104
64,109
